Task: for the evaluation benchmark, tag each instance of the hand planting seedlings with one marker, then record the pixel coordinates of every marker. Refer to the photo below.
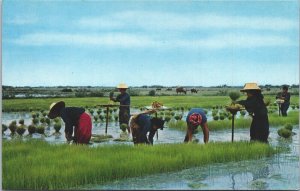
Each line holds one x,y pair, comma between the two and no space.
4,128
57,127
31,129
21,121
12,127
21,129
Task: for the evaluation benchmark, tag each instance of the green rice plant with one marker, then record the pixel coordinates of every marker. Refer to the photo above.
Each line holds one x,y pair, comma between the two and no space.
180,125
31,129
172,113
47,121
229,117
101,117
115,109
216,117
13,127
91,111
56,120
40,129
99,112
110,111
96,118
297,106
4,128
123,127
57,127
37,115
177,117
283,132
21,129
182,109
288,126
222,117
21,121
167,118
33,115
43,120
38,165
44,113
35,121
293,107
116,117
234,95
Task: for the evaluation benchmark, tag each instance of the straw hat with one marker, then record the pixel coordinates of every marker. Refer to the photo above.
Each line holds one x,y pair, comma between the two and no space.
122,86
250,86
55,109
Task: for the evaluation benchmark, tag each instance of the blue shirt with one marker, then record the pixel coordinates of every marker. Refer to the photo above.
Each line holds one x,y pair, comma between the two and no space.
70,116
124,99
198,111
144,122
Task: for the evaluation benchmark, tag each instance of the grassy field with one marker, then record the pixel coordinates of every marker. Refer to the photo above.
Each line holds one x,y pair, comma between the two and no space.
136,101
39,165
274,120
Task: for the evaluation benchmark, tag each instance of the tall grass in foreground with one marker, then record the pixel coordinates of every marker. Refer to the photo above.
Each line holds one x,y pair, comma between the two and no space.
39,165
274,120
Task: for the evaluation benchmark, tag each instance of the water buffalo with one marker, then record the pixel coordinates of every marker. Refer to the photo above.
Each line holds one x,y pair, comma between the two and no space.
194,90
180,90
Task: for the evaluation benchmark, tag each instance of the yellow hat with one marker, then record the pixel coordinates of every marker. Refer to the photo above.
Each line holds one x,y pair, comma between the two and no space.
122,86
250,86
55,109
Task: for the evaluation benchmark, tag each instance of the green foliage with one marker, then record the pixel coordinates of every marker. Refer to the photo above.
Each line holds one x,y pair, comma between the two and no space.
47,121
222,117
21,129
123,127
13,127
40,129
167,118
33,115
116,117
180,125
96,118
234,95
216,117
4,128
37,165
57,127
43,120
35,121
45,113
152,93
21,121
288,126
31,129
283,132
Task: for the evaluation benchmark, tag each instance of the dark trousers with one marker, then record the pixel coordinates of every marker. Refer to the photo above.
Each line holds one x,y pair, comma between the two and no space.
284,107
124,115
259,130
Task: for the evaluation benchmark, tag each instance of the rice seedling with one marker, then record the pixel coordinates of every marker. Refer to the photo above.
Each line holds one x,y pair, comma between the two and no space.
37,115
44,113
297,106
56,120
57,127
115,109
96,118
177,117
167,118
40,129
222,117
99,112
33,115
21,129
283,132
4,128
38,165
35,121
216,117
43,120
293,107
91,111
172,113
101,117
116,117
123,127
31,129
288,126
180,125
47,121
13,127
21,121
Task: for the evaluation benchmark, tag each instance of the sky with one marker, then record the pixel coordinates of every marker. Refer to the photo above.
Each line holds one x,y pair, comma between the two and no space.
104,43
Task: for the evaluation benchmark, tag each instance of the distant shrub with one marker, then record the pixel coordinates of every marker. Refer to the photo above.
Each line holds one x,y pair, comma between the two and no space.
152,93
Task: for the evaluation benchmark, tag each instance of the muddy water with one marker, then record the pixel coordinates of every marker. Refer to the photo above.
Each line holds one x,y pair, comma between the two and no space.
280,171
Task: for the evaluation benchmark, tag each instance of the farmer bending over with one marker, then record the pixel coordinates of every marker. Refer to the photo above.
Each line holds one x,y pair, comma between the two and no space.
73,117
124,109
142,124
286,96
196,117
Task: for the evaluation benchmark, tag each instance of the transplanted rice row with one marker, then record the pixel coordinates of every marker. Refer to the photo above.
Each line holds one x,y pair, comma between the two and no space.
39,165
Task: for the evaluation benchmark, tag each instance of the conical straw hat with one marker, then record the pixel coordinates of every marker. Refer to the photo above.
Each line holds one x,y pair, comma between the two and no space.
122,86
55,109
250,86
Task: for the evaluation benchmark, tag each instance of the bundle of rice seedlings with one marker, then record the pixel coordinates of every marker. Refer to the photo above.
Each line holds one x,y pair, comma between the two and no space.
283,132
21,129
123,127
12,127
40,129
57,127
31,129
21,121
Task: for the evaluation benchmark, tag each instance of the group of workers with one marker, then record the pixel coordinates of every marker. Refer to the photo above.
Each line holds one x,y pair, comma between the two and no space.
143,126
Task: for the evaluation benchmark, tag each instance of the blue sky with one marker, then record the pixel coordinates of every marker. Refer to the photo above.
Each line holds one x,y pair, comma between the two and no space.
103,43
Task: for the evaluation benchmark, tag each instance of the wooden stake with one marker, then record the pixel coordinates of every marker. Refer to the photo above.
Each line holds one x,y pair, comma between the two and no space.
107,110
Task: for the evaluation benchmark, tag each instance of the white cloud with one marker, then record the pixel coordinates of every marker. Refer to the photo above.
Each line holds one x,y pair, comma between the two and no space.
125,40
176,21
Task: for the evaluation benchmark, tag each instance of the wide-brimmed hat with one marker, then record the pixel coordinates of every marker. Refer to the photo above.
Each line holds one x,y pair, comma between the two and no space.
55,108
250,86
122,86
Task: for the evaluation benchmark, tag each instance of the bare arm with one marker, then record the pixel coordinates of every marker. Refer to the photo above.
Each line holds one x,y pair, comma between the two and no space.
205,132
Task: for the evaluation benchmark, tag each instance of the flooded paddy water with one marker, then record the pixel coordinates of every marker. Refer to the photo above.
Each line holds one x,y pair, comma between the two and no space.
280,171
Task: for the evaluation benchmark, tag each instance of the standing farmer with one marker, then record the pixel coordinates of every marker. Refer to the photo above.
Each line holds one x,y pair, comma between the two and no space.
196,117
124,99
286,96
73,117
142,124
254,104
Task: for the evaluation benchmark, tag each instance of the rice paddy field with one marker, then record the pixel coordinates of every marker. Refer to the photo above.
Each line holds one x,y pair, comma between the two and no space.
36,156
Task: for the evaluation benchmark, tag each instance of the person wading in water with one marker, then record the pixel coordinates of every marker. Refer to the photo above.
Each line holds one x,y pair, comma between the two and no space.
124,109
254,104
286,96
73,117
